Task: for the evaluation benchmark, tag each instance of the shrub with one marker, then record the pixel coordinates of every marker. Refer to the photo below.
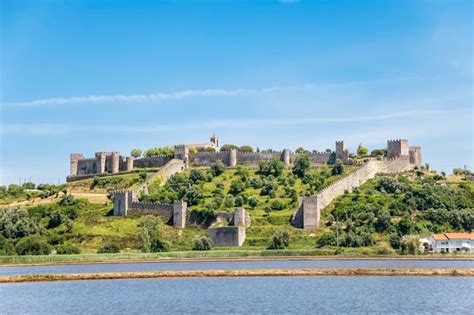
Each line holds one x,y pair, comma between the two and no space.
6,247
239,201
361,150
268,188
246,149
55,219
194,195
16,223
136,153
274,167
253,202
383,249
256,182
217,168
236,187
32,245
197,176
410,245
301,165
109,247
327,239
277,205
202,243
151,234
338,168
280,240
68,249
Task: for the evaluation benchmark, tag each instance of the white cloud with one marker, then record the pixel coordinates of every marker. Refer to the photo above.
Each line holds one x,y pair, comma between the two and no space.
61,129
178,95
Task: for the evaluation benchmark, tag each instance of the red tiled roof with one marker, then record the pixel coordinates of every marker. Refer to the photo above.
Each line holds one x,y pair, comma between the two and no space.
453,236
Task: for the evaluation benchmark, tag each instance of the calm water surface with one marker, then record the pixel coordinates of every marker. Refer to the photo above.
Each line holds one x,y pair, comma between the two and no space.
269,295
221,265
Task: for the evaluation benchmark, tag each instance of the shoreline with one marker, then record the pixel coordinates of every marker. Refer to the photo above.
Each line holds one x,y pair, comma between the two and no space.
240,273
104,259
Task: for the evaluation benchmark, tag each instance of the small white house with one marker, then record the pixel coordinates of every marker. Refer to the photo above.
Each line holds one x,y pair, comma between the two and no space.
451,243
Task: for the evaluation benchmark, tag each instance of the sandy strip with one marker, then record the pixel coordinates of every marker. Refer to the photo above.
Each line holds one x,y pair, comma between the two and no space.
240,273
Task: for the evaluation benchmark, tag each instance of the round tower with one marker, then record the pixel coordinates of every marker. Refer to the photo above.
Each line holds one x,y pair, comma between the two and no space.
115,162
232,157
129,160
286,156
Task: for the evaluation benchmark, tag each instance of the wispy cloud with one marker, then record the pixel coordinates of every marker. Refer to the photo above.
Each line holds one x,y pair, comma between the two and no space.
62,129
178,95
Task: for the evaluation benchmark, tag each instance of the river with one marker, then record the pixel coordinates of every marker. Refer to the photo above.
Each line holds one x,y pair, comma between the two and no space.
226,265
268,295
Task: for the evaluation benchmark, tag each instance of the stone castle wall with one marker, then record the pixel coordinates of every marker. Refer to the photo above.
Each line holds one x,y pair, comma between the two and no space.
154,161
164,211
208,158
172,167
227,236
308,214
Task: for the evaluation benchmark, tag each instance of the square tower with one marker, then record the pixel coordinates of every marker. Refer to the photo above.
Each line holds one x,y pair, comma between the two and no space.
397,148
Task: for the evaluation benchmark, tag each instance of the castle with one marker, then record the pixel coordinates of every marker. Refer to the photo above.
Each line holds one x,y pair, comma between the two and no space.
400,157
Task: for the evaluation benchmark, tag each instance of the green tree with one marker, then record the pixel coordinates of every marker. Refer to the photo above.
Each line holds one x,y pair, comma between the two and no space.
194,195
274,167
301,150
202,243
7,247
68,249
67,200
236,187
228,147
361,150
109,247
301,165
280,240
217,168
410,245
193,150
136,153
338,168
55,219
253,202
327,239
16,223
246,149
32,245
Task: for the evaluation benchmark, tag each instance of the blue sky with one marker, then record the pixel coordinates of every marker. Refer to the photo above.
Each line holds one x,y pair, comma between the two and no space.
86,76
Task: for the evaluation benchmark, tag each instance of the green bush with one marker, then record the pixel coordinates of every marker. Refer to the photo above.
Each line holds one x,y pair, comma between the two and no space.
301,165
67,249
338,168
32,245
253,202
326,239
67,200
277,205
6,247
109,247
202,243
217,168
280,240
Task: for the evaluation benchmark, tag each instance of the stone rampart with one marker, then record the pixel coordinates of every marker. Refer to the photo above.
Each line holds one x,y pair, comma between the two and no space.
172,167
154,161
164,211
256,157
227,236
308,214
208,158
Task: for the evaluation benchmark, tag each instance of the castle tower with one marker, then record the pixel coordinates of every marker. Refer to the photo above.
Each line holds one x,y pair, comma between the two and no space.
216,140
286,156
115,162
232,157
181,152
179,214
340,150
74,158
415,155
129,161
122,202
100,157
397,148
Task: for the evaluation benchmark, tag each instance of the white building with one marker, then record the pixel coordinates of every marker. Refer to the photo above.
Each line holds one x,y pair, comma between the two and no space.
451,243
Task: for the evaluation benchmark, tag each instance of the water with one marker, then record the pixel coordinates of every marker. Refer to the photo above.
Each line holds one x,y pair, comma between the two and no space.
224,265
269,295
